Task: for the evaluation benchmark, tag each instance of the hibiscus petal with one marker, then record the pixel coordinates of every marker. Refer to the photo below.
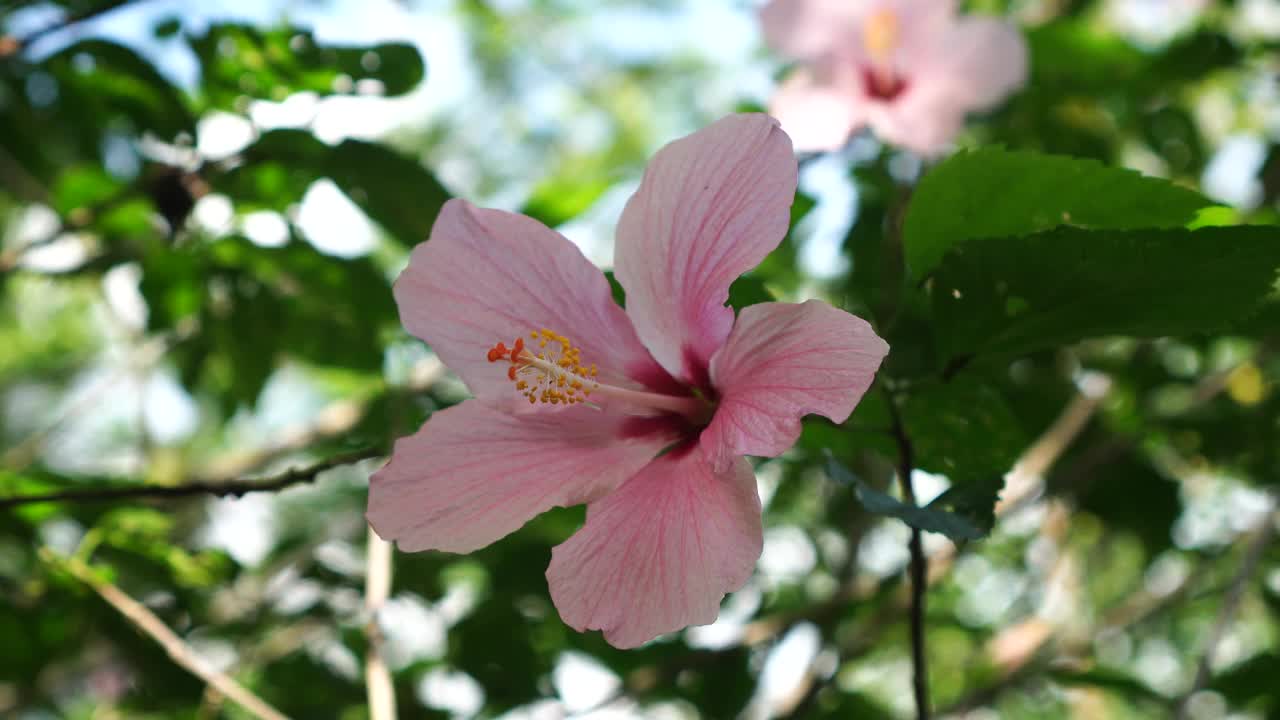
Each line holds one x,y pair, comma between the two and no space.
987,60
661,552
488,276
818,113
808,28
709,208
474,474
923,123
782,362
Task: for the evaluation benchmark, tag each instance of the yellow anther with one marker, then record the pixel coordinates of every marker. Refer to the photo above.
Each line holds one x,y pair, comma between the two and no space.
554,376
880,34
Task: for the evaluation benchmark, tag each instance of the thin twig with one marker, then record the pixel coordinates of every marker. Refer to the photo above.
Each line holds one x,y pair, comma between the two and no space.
180,652
16,44
919,566
218,488
333,421
377,586
1262,537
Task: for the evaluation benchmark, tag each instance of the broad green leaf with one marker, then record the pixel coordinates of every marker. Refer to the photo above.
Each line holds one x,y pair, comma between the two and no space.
963,429
238,61
83,186
1012,295
1191,58
397,192
256,305
103,79
993,192
1073,55
571,190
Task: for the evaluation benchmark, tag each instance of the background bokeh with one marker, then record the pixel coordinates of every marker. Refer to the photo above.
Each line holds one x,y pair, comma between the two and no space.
202,206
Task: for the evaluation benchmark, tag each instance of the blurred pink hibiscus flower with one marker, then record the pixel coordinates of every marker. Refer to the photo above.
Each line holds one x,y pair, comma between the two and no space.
644,414
909,69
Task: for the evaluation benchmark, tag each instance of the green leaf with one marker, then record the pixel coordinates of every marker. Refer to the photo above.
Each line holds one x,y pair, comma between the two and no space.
570,192
929,518
1074,55
1191,58
104,79
974,500
167,28
1015,295
83,186
993,192
332,309
619,292
240,61
256,305
748,290
395,191
963,429
780,266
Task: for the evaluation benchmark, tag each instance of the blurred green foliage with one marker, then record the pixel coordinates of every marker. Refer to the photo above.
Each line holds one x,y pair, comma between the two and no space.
1012,285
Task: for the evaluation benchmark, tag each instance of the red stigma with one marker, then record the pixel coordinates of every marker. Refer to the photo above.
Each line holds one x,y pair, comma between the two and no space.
497,352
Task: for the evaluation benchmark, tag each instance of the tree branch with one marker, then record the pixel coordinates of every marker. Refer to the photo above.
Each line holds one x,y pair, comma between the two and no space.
10,45
217,488
154,627
919,565
377,586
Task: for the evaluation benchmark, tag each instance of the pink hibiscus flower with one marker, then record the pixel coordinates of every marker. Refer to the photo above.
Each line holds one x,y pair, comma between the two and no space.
581,404
909,69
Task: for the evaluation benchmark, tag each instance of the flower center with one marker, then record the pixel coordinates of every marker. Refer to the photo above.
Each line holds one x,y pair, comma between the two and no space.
550,370
880,36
